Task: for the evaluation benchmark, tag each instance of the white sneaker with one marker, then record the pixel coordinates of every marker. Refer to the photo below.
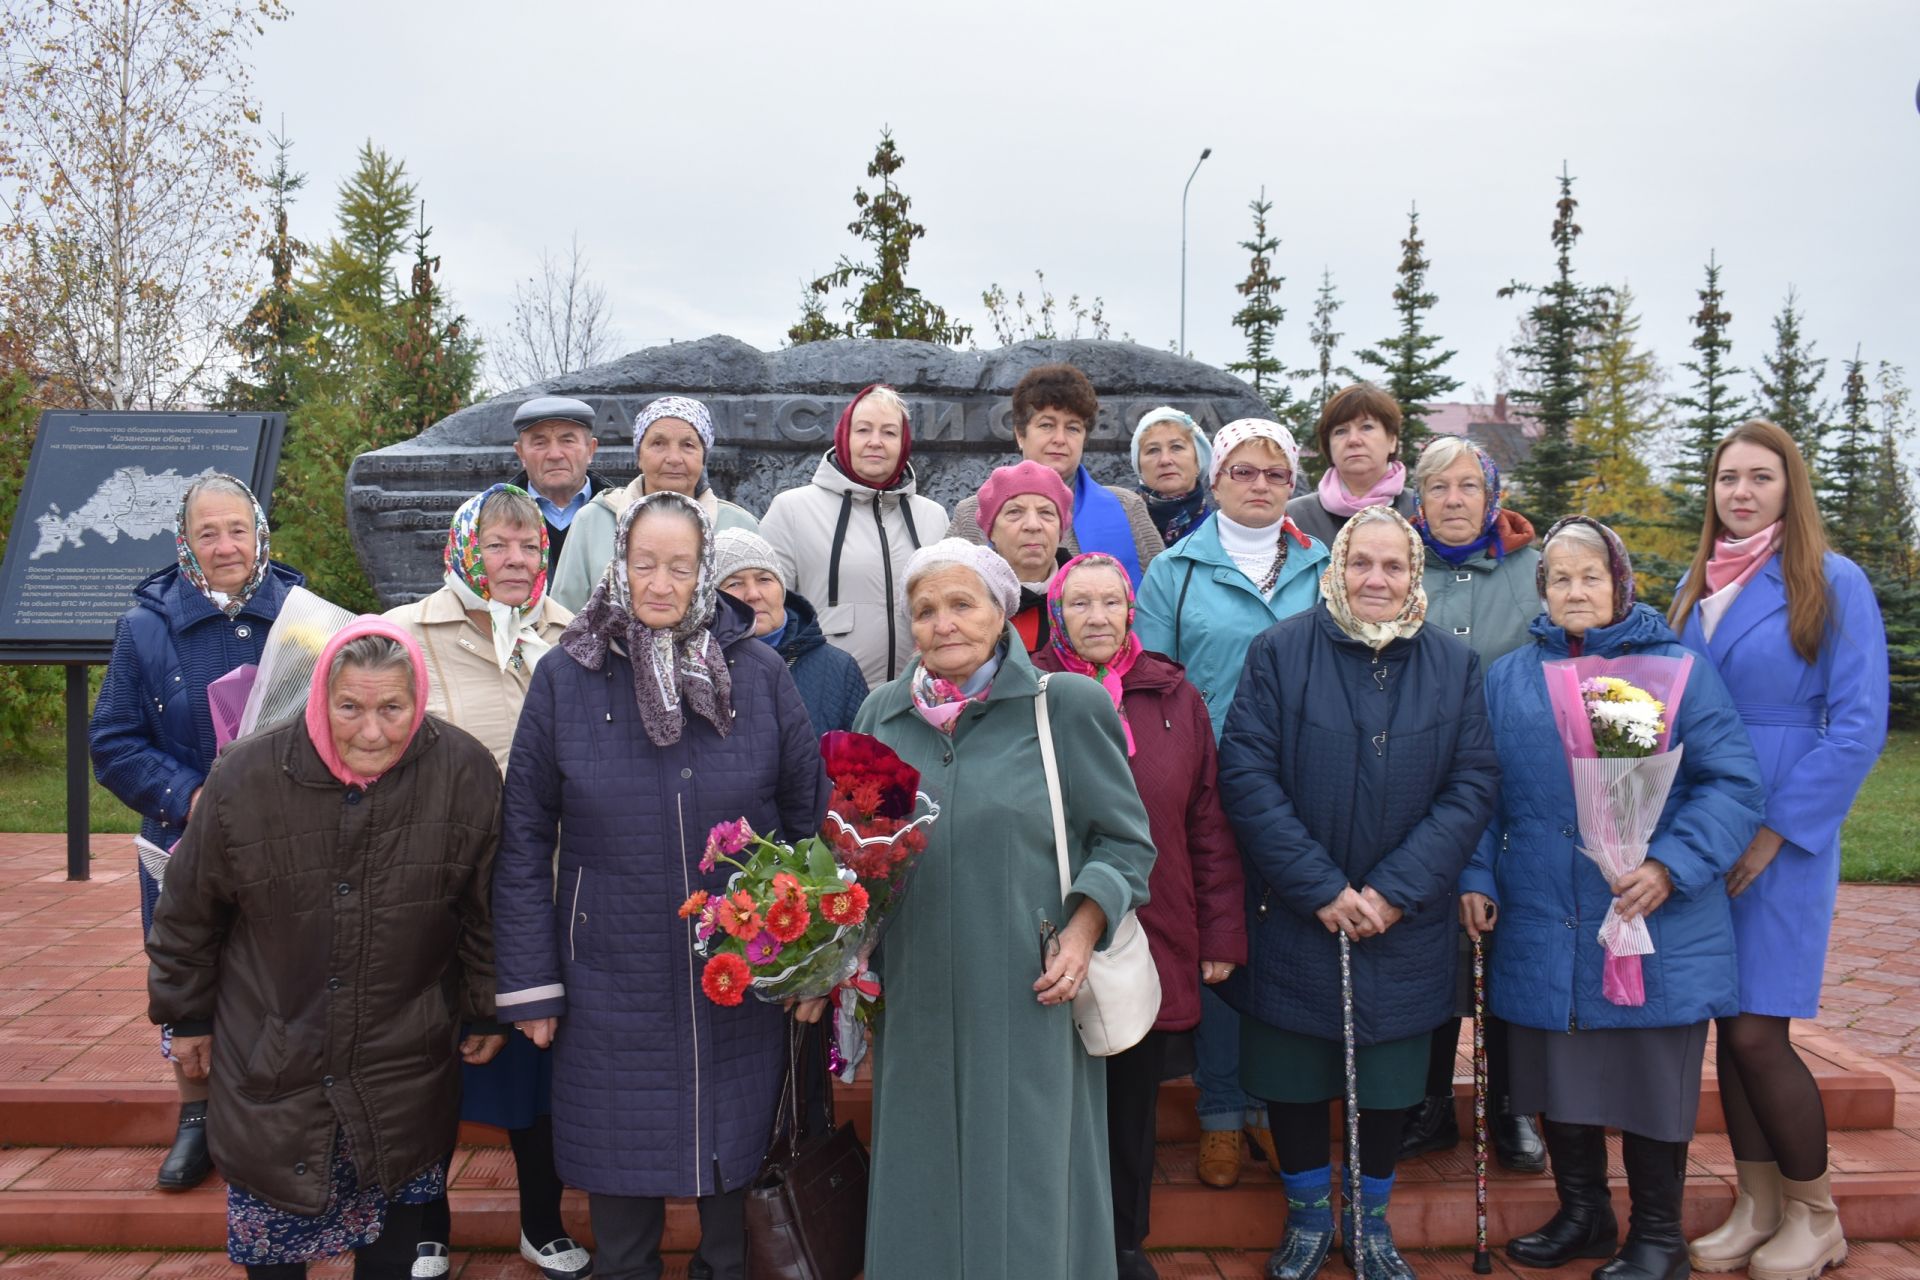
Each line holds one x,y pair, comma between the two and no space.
558,1259
431,1260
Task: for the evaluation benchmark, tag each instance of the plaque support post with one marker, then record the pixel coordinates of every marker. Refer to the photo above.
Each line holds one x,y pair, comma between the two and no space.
78,823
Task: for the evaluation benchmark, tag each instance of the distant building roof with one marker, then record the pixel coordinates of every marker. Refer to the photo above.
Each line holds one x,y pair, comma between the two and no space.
1506,433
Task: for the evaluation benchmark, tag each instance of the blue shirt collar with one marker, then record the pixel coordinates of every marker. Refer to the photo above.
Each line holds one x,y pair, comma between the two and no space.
560,517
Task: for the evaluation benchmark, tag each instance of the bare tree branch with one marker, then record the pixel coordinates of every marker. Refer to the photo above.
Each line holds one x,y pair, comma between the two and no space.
560,322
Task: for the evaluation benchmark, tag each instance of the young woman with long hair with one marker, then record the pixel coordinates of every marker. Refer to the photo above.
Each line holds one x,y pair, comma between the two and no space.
1794,630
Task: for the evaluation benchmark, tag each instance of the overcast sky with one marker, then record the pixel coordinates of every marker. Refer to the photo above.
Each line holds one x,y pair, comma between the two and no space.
707,154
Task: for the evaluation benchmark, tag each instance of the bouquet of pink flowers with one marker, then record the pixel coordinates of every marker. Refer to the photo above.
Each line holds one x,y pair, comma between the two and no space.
1615,718
798,921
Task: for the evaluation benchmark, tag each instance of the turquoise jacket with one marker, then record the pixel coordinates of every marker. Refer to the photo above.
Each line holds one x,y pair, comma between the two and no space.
1199,609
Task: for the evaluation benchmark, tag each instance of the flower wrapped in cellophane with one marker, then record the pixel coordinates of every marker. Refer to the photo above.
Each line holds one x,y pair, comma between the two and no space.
278,692
1615,718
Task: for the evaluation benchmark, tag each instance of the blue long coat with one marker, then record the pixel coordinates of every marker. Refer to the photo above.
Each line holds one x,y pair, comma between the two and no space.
1817,729
151,736
657,1091
1219,611
1342,766
1552,898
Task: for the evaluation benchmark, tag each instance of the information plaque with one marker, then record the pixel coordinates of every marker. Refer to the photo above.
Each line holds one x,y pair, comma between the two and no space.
97,514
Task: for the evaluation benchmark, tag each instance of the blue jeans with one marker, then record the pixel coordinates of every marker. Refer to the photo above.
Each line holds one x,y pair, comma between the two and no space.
1216,1072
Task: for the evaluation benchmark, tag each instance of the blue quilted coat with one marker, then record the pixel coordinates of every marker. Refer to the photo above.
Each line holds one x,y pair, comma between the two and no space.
1342,767
657,1091
828,678
1552,898
151,736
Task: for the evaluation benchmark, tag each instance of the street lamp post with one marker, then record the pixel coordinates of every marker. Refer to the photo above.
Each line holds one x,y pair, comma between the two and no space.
1204,153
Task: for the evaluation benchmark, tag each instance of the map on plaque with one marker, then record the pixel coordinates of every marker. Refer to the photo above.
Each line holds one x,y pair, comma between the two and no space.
97,513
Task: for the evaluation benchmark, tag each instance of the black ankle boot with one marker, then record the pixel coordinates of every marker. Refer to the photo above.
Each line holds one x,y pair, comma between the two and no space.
1431,1127
1135,1265
1655,1248
187,1164
1516,1143
1584,1226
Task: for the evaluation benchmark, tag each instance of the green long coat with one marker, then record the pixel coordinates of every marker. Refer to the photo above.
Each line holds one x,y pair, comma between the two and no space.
989,1119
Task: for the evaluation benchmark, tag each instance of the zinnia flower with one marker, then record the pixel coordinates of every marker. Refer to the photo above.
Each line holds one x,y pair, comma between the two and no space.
848,906
692,906
725,979
737,915
788,920
787,887
762,947
726,838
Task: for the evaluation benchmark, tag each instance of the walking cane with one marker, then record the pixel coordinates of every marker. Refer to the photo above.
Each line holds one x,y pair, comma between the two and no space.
1482,1261
1353,1099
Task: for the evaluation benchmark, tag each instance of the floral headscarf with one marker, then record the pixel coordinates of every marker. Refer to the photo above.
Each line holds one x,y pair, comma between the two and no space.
675,670
516,638
1491,539
685,408
1114,668
1619,564
190,569
1333,583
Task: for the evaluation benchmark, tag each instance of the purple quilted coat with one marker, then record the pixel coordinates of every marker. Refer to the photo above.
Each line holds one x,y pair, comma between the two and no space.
657,1091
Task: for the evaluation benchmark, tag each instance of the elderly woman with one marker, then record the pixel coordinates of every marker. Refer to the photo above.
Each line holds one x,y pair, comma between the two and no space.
1024,508
843,539
151,736
671,440
657,717
1584,1061
1358,770
1479,583
1054,411
1794,630
321,937
1170,455
1358,436
481,634
1246,567
748,569
1194,918
990,1143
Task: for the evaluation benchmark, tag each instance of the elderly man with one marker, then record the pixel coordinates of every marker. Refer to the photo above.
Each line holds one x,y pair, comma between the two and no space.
553,438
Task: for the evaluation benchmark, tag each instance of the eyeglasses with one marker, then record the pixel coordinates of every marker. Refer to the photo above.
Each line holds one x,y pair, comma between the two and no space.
1278,477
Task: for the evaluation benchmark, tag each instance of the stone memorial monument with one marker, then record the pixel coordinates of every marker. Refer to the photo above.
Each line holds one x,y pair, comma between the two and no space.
773,415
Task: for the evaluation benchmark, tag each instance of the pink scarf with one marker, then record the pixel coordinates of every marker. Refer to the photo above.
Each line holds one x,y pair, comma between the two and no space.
320,727
1334,496
1117,666
1737,560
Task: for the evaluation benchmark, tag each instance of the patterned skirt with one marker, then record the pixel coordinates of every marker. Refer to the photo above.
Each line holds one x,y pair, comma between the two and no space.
260,1234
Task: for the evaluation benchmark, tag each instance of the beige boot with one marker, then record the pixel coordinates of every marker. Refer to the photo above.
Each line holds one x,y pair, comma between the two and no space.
1755,1217
1809,1239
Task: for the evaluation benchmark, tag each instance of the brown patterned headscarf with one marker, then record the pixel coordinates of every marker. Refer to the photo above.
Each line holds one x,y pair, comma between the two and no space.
1333,583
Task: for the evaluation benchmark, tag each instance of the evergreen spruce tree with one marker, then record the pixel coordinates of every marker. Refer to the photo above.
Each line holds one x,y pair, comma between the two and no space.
882,304
1854,474
268,337
1326,340
1409,366
1260,318
1713,408
1789,387
1896,572
1565,316
431,362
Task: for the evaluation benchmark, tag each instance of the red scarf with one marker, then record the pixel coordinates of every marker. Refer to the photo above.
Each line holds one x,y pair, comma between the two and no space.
843,444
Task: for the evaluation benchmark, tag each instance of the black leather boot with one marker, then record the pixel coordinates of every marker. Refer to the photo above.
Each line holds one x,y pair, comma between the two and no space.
1655,1248
1135,1265
1516,1143
1584,1226
187,1164
1431,1126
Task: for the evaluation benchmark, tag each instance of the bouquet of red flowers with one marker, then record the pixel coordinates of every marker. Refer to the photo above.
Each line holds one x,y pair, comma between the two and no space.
798,921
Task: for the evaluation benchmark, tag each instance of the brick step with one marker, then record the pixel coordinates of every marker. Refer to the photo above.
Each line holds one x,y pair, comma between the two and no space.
85,1114
102,1196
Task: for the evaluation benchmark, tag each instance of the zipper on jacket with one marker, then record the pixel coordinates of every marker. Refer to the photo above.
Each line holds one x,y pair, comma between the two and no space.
693,996
886,567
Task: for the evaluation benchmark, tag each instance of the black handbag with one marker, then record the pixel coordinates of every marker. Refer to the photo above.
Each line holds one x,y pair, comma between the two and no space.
806,1211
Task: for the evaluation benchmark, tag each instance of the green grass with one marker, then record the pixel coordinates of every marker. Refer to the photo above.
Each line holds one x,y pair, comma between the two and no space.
33,797
1879,843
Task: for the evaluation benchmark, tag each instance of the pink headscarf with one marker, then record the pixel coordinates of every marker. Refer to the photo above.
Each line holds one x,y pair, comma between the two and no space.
1130,648
320,728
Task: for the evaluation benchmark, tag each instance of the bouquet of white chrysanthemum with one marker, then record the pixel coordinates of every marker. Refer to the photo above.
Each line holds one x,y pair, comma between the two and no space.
1614,716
